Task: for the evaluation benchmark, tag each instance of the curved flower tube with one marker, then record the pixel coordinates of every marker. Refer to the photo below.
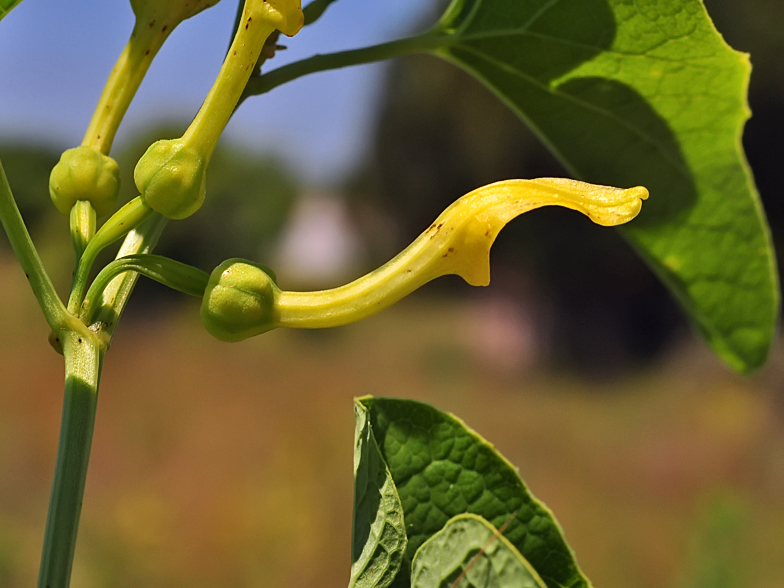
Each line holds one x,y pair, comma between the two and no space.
242,299
171,175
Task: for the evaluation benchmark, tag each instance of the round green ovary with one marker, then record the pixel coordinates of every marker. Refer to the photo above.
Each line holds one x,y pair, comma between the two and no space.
171,178
84,173
239,301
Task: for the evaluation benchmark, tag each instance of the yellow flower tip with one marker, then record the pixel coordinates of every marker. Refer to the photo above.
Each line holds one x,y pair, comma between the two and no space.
465,232
285,15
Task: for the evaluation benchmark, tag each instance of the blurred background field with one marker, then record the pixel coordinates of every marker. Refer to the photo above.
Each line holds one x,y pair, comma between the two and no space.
230,465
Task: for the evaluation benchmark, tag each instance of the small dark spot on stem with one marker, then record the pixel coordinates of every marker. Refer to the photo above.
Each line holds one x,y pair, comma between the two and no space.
451,249
152,23
27,275
487,233
80,339
147,52
408,271
164,28
444,255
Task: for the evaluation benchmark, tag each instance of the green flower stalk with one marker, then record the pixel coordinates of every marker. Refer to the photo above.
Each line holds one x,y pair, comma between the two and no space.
242,299
171,175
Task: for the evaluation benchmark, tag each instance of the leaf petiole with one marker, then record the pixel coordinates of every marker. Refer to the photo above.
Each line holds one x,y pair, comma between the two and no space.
323,62
174,274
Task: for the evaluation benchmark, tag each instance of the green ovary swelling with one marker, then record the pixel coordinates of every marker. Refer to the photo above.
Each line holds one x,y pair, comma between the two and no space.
239,301
171,175
172,178
242,299
84,173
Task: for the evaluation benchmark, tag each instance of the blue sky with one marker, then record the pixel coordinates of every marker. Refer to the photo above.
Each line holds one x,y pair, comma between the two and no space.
56,56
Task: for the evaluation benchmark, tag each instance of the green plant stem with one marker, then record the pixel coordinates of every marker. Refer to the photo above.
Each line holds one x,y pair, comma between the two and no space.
83,350
54,310
83,359
171,273
264,83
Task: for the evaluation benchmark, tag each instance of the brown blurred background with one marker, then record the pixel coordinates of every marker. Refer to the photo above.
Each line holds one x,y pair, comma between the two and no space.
230,465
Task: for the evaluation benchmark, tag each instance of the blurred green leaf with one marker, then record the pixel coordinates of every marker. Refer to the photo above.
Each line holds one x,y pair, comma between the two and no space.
441,469
379,536
470,553
6,6
315,10
643,93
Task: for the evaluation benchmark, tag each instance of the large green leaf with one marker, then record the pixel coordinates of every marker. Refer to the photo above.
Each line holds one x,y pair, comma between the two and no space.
470,553
441,469
644,92
379,536
6,6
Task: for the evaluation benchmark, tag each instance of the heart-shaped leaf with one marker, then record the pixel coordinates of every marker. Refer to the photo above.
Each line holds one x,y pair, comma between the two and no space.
442,469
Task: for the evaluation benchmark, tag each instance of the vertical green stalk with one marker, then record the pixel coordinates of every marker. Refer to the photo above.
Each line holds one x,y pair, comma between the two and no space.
25,251
83,360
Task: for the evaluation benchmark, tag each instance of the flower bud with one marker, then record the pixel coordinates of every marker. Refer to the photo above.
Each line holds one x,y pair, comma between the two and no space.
240,301
171,178
84,173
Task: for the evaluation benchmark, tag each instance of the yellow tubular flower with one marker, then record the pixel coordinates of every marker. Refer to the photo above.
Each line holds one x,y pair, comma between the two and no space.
171,174
242,299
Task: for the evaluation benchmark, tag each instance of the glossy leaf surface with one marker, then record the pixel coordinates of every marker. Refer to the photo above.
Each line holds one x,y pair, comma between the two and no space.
6,6
379,537
470,553
441,469
647,93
